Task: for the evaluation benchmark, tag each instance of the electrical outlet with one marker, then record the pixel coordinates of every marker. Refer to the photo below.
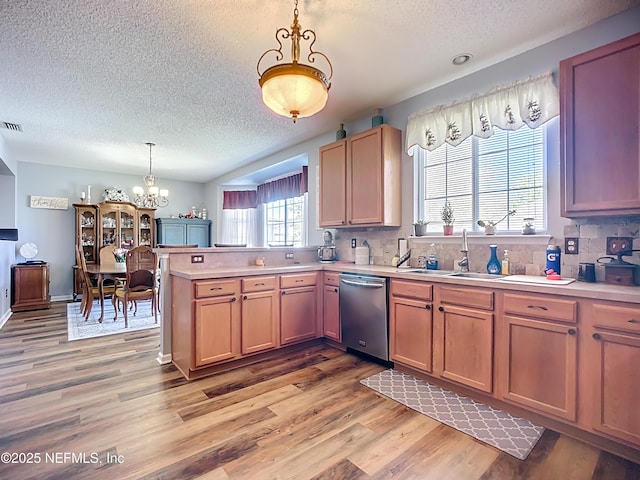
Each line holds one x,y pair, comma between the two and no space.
354,243
571,246
6,293
197,258
288,256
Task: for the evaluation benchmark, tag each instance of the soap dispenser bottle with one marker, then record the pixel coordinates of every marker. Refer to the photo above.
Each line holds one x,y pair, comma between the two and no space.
505,263
432,260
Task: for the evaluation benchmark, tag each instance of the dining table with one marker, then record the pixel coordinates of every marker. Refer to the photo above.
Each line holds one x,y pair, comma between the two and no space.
105,271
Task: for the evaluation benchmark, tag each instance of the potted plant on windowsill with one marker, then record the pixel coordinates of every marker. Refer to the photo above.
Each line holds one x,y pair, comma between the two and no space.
490,226
420,228
447,218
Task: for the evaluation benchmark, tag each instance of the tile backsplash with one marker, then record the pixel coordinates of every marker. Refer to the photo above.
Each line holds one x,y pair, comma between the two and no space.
526,258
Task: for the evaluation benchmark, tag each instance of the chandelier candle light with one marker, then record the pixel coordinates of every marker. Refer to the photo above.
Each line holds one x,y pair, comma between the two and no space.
154,197
295,89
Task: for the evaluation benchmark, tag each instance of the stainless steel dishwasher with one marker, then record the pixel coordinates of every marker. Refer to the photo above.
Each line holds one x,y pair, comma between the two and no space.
363,314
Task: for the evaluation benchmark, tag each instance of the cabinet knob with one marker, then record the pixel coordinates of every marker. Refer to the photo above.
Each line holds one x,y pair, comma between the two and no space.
283,292
441,309
244,297
596,336
572,331
233,299
427,306
335,290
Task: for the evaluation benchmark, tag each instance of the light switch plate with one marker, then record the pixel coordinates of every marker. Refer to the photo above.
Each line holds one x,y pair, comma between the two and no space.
571,246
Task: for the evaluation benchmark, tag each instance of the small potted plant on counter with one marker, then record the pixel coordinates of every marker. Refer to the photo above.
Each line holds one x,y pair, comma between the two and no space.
420,228
447,218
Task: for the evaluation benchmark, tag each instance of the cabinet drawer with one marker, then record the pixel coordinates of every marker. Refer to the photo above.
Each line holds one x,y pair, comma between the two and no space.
297,280
467,297
215,288
616,317
258,284
332,279
541,307
401,288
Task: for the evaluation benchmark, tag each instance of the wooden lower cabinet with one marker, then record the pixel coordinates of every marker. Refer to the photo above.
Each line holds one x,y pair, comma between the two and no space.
260,320
331,326
298,318
411,324
614,374
463,337
217,329
540,368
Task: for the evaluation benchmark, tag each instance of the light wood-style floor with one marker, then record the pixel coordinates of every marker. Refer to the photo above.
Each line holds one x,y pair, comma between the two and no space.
302,416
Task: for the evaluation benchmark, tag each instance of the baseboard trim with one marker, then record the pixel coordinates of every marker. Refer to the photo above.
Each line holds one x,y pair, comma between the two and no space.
61,298
4,318
163,359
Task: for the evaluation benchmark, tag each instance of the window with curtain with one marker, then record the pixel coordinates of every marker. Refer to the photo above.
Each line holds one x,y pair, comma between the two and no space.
239,219
285,222
486,155
485,178
283,207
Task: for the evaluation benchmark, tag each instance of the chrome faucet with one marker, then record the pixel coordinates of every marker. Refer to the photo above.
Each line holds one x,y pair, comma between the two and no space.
464,263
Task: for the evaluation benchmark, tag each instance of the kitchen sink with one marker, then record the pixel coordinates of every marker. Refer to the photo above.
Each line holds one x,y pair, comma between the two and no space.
424,271
488,276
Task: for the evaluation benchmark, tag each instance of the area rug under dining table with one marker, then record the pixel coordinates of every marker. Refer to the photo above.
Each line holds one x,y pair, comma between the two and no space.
78,328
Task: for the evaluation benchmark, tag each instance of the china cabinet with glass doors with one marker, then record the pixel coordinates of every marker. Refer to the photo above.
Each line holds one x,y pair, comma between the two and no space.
111,223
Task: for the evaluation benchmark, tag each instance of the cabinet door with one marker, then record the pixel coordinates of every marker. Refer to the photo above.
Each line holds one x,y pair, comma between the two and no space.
615,379
217,332
331,312
540,365
298,315
87,231
365,193
146,227
198,234
172,234
259,321
333,184
411,332
465,346
600,130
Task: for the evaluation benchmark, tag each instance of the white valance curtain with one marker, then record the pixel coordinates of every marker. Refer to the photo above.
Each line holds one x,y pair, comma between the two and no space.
531,102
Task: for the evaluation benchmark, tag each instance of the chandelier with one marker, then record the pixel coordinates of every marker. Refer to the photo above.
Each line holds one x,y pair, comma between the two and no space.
294,89
154,197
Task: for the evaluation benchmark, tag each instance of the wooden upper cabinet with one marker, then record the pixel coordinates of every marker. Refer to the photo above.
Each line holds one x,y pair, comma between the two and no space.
600,131
360,179
333,184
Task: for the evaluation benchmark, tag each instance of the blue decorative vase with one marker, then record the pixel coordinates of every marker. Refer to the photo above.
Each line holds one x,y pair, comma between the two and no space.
377,119
493,266
342,133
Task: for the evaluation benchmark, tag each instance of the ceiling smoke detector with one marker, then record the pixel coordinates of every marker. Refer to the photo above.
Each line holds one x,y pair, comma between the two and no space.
16,127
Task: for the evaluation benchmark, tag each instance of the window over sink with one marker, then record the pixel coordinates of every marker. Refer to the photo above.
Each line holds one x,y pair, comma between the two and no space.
483,179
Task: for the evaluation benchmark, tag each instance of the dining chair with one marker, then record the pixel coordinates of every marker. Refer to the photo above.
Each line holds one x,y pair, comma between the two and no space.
107,257
140,282
90,291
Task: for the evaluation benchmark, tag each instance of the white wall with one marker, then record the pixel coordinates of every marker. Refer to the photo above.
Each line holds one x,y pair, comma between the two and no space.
53,231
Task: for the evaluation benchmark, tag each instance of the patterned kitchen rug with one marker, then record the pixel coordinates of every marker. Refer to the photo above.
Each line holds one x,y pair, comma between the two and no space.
513,435
78,328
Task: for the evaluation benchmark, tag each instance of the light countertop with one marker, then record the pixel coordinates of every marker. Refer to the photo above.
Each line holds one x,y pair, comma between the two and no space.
600,291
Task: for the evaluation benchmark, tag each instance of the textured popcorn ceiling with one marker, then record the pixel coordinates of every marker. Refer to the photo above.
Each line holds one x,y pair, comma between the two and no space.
91,81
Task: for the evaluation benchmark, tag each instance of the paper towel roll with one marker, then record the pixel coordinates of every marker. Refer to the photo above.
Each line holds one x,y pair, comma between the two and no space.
403,246
362,255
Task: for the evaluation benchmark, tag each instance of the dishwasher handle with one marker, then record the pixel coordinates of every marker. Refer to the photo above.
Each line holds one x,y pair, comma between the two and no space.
362,284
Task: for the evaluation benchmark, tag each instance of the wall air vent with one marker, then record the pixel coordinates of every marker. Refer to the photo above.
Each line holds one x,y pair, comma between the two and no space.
16,127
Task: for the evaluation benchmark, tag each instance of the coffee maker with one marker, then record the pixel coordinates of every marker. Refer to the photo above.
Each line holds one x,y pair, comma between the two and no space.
327,253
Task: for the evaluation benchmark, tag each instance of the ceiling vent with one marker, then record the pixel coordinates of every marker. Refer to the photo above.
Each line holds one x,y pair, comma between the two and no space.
16,127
